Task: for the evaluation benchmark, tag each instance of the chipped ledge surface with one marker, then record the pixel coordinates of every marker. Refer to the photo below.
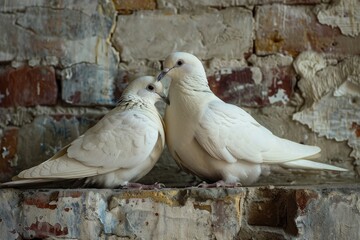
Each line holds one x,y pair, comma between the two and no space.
283,212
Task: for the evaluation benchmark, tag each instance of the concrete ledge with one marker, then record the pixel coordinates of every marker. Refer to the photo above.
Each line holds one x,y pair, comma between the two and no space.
288,212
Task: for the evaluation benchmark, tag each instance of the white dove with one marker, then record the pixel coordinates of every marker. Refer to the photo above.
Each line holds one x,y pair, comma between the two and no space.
122,147
218,141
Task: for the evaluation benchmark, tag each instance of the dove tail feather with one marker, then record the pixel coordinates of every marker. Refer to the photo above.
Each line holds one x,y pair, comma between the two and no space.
25,182
306,164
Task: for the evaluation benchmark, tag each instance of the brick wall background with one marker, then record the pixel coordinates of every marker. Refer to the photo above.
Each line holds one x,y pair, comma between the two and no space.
293,64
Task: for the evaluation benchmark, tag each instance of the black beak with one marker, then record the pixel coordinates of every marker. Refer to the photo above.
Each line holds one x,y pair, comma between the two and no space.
165,99
163,73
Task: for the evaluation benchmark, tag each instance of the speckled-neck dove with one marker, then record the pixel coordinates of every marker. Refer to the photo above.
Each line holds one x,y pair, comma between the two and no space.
122,147
218,141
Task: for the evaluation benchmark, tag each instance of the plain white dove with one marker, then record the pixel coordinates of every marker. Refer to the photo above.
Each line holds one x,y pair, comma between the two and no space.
218,141
122,147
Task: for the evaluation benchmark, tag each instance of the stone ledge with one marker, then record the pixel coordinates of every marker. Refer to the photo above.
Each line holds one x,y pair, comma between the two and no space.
281,212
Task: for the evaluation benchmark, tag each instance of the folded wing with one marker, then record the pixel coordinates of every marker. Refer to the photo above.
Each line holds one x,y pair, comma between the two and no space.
229,133
119,140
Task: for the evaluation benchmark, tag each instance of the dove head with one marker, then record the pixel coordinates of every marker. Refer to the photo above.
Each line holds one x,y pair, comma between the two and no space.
147,88
181,64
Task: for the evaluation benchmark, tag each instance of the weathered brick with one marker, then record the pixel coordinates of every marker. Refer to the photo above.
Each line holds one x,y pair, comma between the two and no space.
90,84
274,208
8,153
225,33
269,210
127,6
304,197
267,213
333,214
67,33
87,214
59,23
28,86
239,86
294,29
255,87
191,213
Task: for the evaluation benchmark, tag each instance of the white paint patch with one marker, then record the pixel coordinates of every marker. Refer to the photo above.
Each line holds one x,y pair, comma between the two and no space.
256,75
5,152
279,96
225,71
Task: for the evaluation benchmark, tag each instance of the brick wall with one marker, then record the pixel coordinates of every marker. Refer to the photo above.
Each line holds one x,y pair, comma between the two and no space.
293,64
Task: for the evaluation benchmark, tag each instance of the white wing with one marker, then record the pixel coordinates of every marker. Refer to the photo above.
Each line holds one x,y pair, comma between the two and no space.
227,132
119,140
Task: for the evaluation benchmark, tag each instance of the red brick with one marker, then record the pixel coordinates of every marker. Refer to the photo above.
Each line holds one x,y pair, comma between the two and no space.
28,86
8,153
127,6
294,29
238,86
44,230
304,197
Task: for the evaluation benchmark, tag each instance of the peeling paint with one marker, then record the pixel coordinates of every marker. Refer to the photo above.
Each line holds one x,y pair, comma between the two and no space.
348,88
45,230
331,97
344,14
333,117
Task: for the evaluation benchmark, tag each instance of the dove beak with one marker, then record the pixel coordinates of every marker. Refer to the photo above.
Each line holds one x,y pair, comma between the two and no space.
164,98
163,73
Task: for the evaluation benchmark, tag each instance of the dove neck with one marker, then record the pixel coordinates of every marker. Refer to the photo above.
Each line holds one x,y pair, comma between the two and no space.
189,94
194,85
130,101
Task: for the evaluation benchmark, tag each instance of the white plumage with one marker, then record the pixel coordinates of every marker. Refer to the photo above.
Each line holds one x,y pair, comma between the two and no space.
122,147
220,141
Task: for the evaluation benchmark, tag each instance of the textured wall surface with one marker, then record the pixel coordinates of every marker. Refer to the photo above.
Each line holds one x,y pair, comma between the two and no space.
292,64
318,212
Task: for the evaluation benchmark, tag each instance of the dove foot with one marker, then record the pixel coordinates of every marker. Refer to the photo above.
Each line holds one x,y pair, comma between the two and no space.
140,186
217,184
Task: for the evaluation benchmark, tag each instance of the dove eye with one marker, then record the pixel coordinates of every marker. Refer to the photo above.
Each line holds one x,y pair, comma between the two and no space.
150,87
179,62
